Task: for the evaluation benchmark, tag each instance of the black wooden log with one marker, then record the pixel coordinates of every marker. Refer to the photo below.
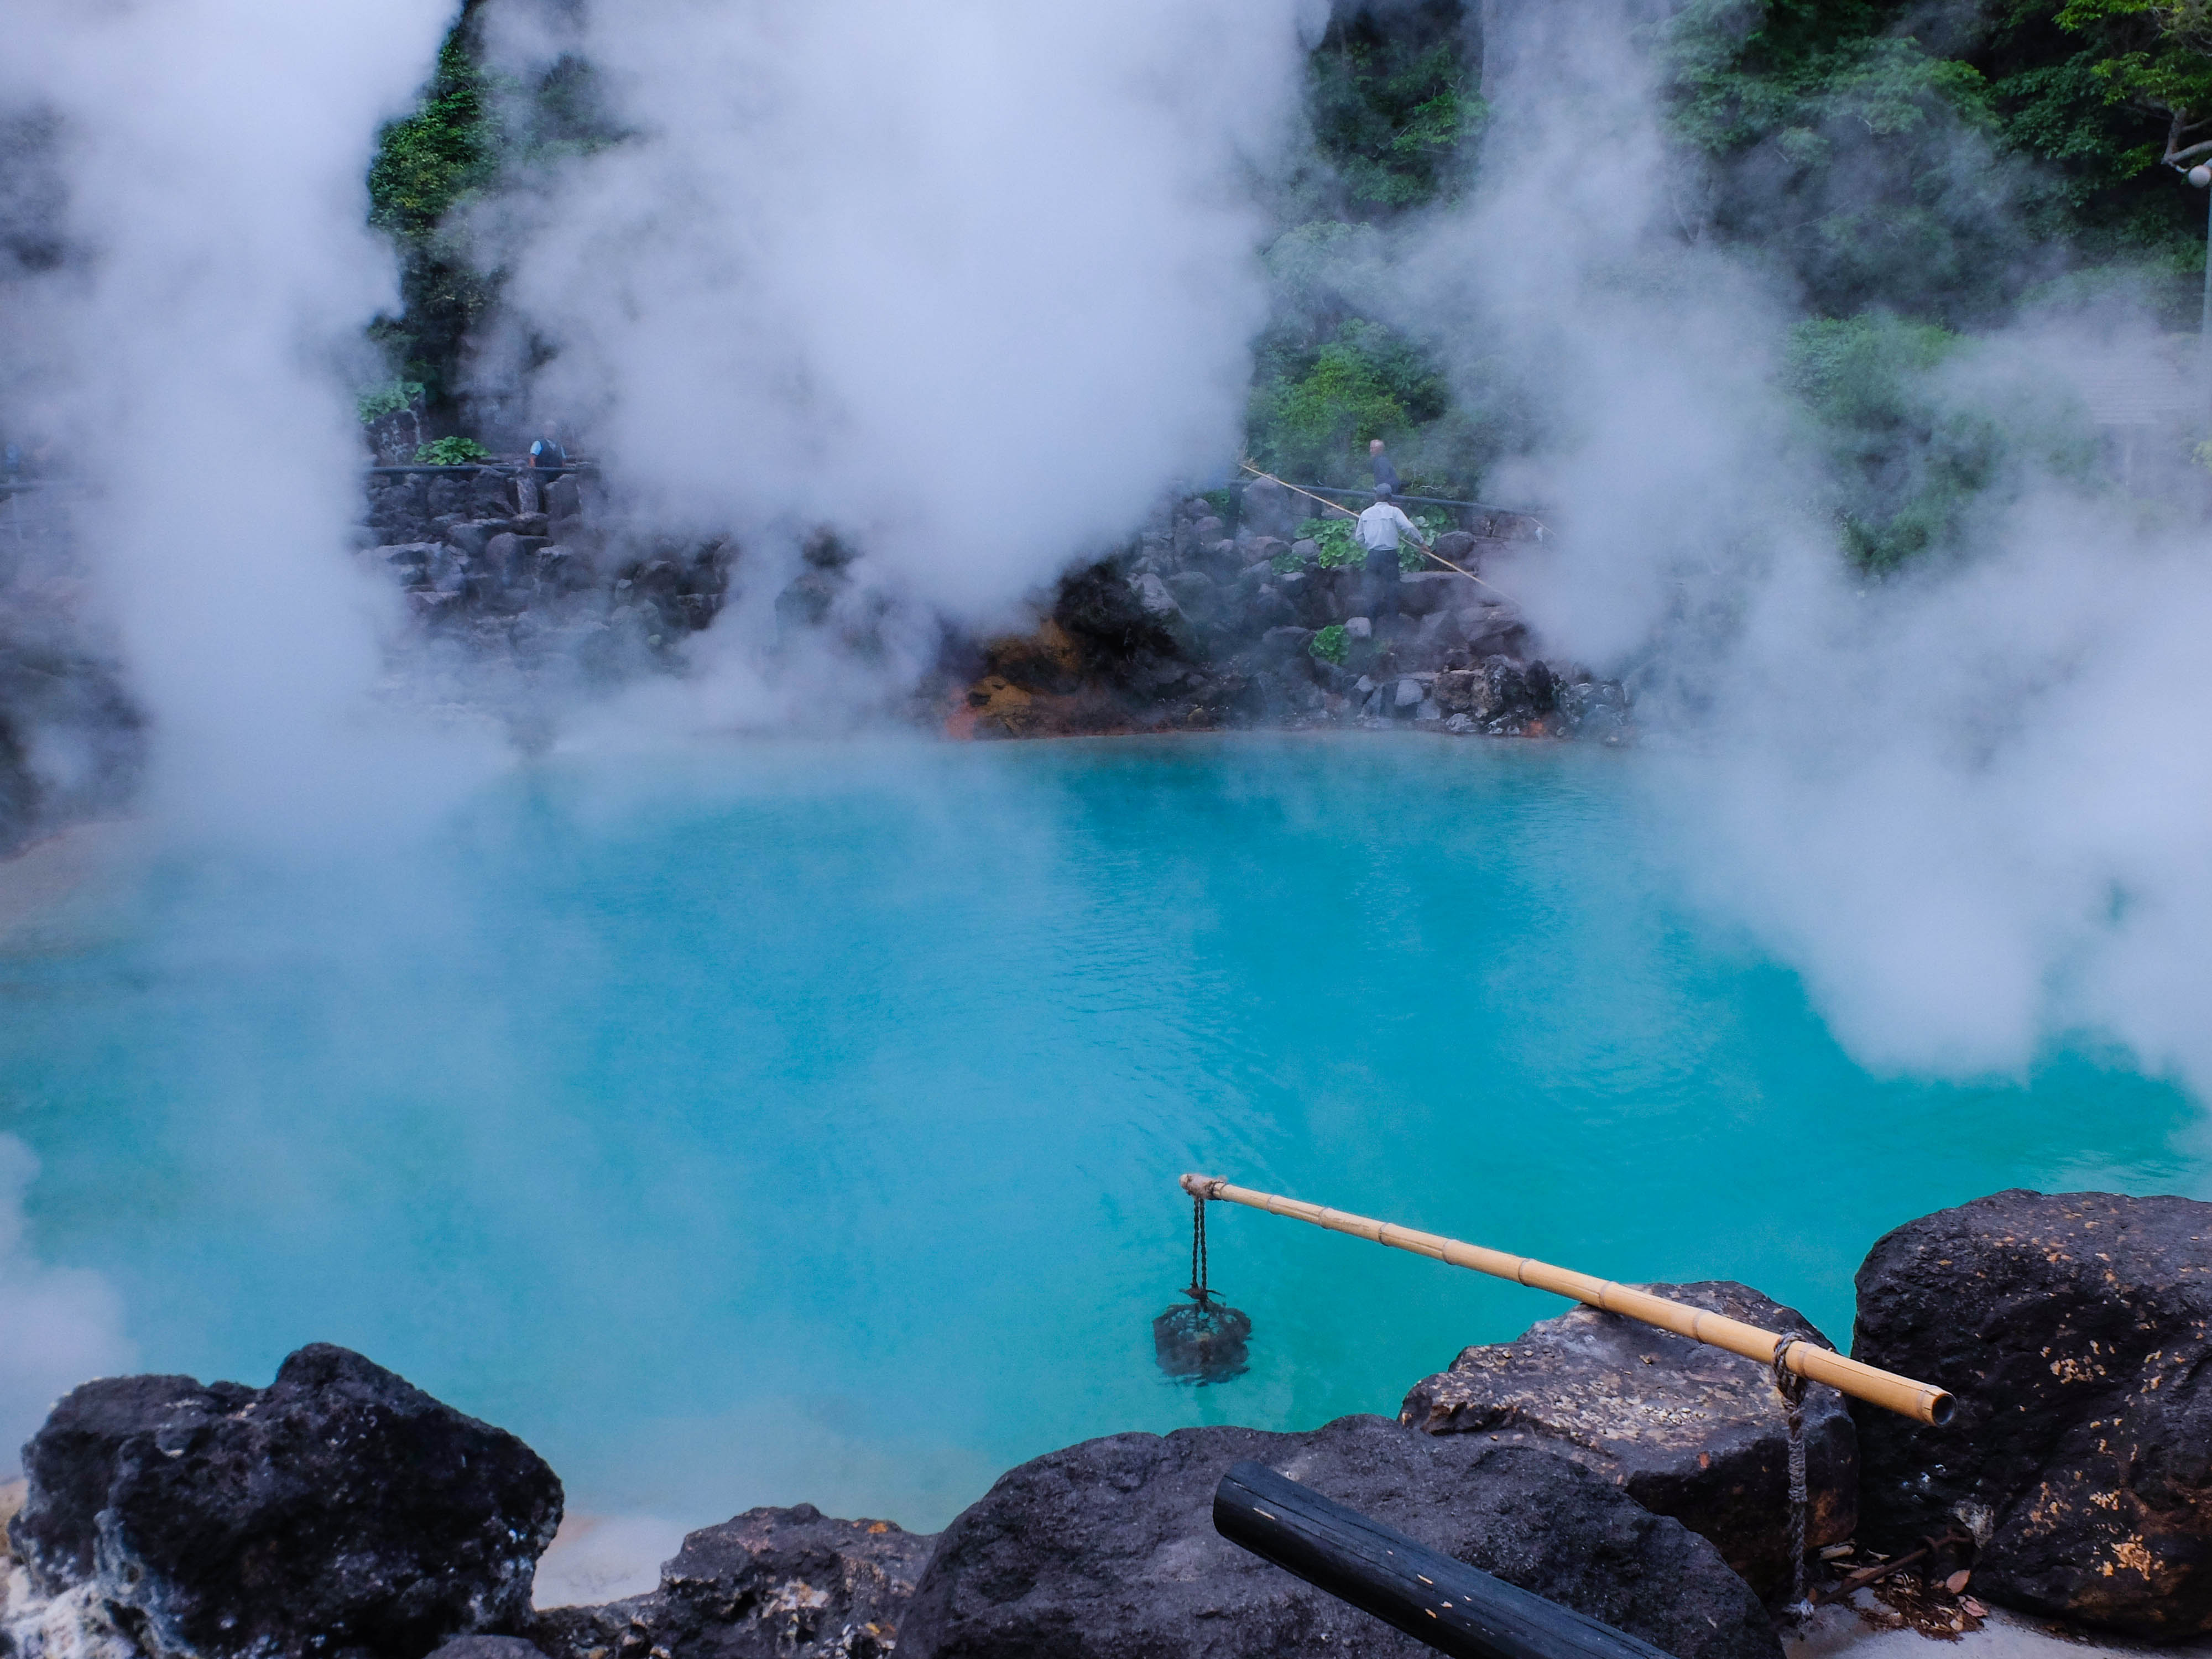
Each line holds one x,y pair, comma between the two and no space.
1454,1608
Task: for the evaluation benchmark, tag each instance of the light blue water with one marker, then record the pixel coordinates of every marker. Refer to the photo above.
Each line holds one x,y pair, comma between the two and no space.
796,1123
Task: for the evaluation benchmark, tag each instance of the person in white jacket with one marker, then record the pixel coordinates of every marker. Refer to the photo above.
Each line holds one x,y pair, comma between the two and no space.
1380,528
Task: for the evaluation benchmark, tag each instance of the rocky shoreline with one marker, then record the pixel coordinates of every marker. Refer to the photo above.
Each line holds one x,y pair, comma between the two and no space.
1223,613
1201,622
1630,1475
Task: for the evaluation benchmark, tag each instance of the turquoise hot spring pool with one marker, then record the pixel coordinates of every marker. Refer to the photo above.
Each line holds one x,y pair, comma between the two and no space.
796,1122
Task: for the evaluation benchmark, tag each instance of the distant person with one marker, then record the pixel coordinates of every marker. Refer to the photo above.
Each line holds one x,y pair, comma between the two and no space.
1386,475
547,461
1379,530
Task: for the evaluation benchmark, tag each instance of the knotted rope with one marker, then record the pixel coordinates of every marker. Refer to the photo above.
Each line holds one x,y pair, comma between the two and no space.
1791,1387
1198,1265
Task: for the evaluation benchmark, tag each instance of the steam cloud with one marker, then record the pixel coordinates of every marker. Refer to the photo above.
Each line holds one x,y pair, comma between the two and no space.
972,282
1974,807
185,338
58,1326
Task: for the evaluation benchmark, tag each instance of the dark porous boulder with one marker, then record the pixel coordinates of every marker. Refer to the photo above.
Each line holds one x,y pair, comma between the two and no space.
1107,1549
1269,508
1195,592
1493,631
1458,546
474,535
1421,593
1099,604
771,1584
340,1510
2073,1331
1690,1431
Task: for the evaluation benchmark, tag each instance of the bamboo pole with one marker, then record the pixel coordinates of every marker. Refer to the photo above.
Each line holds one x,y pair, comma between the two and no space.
1921,1402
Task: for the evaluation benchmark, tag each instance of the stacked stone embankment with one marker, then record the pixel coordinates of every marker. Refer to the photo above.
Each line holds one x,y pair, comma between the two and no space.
539,585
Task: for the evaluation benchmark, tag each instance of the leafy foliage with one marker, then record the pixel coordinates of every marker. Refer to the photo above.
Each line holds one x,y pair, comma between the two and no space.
1921,448
426,165
390,398
426,160
1339,547
1881,150
1318,398
1330,644
1394,108
450,452
468,131
2156,53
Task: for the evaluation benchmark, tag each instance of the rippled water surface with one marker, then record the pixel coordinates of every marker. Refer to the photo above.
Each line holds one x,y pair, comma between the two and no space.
802,1123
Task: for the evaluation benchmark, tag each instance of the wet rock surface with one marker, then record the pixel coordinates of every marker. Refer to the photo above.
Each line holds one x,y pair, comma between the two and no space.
340,1510
1686,1430
2073,1331
1108,1548
1195,629
794,1583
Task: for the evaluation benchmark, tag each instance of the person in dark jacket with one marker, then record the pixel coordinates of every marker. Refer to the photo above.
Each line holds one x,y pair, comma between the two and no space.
1386,475
547,461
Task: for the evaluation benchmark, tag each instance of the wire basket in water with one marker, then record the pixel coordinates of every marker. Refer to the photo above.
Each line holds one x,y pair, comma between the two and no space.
1202,1340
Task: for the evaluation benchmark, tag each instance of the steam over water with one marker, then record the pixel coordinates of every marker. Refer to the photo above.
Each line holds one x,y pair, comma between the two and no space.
802,1124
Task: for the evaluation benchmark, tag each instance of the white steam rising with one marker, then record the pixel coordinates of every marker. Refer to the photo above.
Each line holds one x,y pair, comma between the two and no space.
58,1326
190,353
1974,807
972,280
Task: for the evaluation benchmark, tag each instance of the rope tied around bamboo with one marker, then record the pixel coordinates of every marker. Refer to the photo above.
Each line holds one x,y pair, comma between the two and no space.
1921,1402
1792,1386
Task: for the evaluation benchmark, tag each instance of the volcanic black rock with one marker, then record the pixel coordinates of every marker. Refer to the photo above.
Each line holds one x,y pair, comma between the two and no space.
771,1584
1108,1548
341,1510
1690,1431
2074,1332
488,1647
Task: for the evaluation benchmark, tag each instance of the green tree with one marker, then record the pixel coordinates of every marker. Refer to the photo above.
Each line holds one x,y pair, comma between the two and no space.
2156,54
1938,162
1393,102
1318,398
428,163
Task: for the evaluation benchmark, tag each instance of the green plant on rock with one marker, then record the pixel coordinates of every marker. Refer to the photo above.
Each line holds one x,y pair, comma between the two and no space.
1339,548
1432,526
389,398
450,452
1329,644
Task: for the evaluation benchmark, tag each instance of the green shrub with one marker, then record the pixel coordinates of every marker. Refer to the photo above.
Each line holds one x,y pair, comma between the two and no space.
1328,644
450,452
1920,458
387,399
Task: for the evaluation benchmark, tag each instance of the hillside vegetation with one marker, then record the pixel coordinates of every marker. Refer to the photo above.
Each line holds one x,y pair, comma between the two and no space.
1911,172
